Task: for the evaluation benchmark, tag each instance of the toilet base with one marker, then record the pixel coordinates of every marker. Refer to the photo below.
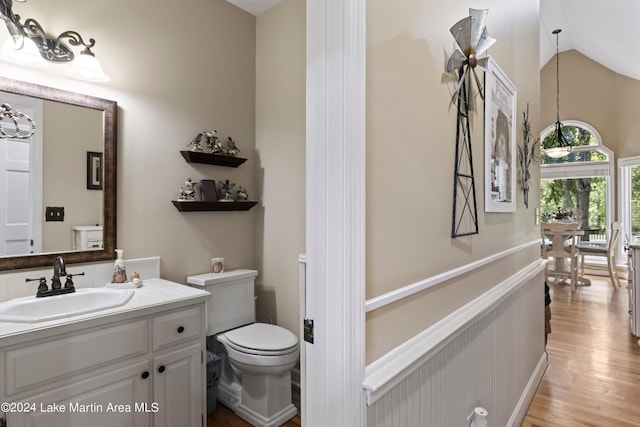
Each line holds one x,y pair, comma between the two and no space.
268,404
258,420
229,394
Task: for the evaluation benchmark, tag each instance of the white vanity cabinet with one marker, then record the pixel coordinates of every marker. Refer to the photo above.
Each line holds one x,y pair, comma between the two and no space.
141,371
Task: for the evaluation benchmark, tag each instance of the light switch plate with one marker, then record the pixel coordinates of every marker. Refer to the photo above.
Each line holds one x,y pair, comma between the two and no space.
53,213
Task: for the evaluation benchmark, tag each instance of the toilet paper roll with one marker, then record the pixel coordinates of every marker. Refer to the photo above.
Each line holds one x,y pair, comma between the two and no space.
479,417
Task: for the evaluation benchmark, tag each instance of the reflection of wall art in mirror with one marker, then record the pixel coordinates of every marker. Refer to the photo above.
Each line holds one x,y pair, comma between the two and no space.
94,170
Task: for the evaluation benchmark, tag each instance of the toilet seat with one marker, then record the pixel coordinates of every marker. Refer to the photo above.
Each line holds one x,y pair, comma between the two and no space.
262,339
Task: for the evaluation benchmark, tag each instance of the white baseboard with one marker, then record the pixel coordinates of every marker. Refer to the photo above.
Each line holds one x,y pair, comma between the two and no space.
522,407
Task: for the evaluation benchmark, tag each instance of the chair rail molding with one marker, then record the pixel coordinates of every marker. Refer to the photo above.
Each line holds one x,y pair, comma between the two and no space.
412,289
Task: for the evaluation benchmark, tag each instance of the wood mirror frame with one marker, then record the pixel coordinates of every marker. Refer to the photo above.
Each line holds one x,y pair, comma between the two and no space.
110,109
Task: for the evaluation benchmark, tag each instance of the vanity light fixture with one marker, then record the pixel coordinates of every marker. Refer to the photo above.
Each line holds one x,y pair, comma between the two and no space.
30,45
558,146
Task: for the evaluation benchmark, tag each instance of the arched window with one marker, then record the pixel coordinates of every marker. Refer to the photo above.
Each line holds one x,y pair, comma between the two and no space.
580,183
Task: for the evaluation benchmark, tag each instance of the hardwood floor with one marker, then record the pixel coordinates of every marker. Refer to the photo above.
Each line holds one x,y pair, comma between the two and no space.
593,378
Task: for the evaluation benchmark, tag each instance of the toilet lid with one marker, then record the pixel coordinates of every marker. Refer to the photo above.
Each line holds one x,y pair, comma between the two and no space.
262,336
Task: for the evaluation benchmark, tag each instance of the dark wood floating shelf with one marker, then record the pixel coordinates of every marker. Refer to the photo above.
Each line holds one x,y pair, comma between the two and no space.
198,206
212,159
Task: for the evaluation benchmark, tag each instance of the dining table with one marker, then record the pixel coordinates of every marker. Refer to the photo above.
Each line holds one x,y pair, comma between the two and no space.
562,263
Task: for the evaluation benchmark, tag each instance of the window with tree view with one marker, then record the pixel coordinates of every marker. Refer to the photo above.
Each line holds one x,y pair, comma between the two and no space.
581,199
577,186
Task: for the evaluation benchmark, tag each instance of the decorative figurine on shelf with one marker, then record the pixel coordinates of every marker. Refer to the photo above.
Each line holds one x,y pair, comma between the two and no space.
195,144
225,189
241,194
213,142
527,155
210,138
188,192
232,150
217,265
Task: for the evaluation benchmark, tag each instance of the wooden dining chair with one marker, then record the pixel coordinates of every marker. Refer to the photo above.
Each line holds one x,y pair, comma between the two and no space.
607,250
560,243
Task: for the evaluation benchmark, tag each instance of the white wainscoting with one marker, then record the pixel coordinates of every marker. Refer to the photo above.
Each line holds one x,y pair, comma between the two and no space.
488,353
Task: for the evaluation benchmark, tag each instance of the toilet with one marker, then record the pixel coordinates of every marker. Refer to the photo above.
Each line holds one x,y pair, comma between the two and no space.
257,358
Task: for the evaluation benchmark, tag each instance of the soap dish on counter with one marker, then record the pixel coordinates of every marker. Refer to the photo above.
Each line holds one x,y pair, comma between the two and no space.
125,285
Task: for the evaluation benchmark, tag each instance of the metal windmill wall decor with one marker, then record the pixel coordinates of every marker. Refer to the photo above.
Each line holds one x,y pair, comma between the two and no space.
472,38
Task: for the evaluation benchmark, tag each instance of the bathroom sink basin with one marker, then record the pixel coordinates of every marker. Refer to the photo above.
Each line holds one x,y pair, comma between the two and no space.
82,301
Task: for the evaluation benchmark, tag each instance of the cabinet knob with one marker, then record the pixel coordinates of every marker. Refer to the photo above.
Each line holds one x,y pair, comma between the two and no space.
180,329
161,369
145,375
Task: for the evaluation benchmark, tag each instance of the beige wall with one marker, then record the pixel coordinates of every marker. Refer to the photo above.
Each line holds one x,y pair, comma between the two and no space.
596,95
280,159
411,127
175,70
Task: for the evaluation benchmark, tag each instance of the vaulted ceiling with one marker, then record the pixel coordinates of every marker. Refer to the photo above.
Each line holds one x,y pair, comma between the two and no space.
606,31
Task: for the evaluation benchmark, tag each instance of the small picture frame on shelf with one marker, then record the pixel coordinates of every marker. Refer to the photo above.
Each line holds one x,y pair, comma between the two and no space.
208,190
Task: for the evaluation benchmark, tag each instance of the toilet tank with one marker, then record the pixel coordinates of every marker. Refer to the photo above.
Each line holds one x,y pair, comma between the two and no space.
232,302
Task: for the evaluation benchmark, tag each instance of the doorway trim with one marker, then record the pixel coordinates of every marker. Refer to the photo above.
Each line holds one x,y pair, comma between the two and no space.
335,212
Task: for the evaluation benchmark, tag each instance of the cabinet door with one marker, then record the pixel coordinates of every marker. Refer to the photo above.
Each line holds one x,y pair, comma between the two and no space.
115,399
178,387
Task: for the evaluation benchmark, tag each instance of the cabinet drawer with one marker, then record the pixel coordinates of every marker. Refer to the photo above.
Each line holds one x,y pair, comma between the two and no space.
38,364
177,326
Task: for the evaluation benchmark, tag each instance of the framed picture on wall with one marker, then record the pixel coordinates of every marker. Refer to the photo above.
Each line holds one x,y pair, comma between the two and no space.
94,170
499,141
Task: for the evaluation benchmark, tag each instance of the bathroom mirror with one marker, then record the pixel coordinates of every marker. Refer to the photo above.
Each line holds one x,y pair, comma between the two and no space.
100,197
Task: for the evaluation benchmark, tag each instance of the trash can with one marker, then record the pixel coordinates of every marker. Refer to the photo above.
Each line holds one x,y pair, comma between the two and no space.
214,369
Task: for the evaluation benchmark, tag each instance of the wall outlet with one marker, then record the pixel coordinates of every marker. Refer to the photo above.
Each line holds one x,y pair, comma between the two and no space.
537,216
53,213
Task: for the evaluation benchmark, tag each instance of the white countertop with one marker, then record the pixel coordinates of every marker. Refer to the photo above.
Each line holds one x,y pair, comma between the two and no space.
155,295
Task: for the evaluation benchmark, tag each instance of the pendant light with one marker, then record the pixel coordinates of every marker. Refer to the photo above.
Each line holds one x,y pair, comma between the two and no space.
558,146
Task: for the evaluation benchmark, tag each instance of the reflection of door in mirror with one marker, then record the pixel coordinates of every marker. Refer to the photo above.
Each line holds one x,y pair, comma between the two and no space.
21,182
67,132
